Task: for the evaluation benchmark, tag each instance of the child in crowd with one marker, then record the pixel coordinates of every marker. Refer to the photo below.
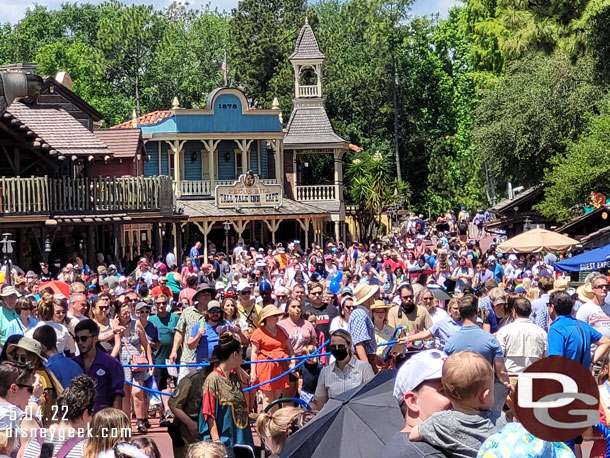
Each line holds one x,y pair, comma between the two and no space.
468,381
309,373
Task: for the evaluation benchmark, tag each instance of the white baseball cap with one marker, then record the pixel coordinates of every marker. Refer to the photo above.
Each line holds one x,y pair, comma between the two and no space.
512,257
242,285
426,365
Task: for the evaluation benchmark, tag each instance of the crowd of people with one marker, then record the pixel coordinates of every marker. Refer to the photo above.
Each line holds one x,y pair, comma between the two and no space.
209,346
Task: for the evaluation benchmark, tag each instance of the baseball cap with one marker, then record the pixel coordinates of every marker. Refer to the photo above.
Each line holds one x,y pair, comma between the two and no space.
213,304
512,257
520,289
141,305
426,365
242,285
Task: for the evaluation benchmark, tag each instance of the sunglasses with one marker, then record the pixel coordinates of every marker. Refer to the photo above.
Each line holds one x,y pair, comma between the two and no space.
427,298
349,307
161,303
316,294
279,296
82,338
103,307
214,311
30,388
336,347
146,312
246,293
26,309
20,359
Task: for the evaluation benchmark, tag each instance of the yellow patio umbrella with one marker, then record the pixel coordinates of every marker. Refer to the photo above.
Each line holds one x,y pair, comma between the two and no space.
537,240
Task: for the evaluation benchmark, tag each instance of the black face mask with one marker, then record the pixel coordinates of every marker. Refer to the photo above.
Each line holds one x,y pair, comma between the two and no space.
339,353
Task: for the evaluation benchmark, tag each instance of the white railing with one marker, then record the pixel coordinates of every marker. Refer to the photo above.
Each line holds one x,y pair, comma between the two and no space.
309,91
195,187
204,187
317,193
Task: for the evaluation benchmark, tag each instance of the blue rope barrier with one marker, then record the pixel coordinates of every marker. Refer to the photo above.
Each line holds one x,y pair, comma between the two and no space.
205,363
150,390
606,433
313,355
387,354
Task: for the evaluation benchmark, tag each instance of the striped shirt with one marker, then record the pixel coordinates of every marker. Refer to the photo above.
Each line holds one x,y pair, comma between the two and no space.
334,381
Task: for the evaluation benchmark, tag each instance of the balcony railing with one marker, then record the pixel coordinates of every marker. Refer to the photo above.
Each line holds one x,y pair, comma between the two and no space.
317,193
309,91
43,195
204,187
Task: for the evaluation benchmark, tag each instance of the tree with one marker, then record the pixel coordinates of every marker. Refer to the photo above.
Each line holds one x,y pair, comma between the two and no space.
585,168
187,63
129,37
531,115
373,188
263,33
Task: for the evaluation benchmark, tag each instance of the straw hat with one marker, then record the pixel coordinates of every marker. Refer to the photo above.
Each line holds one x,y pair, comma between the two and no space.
270,310
379,304
585,293
560,284
364,292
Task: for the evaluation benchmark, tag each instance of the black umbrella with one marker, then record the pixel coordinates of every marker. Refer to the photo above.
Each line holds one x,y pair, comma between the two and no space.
356,424
439,294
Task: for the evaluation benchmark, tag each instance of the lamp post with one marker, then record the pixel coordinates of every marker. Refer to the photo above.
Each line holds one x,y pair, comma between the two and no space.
227,226
7,251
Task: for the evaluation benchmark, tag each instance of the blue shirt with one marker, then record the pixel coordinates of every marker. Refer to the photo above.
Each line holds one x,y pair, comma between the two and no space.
194,253
63,368
362,330
540,311
498,272
566,339
473,338
208,341
444,329
16,327
493,320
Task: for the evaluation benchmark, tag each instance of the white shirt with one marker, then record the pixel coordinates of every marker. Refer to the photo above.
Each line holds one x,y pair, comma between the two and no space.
334,381
438,314
522,343
595,316
64,339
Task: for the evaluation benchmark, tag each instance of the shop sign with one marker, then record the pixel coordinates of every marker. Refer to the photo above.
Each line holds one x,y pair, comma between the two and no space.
248,192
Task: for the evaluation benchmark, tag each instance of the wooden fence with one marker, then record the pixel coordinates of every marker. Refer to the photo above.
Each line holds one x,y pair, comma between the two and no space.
44,195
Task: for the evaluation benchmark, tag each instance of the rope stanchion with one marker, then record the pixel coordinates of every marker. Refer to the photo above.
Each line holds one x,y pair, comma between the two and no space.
314,354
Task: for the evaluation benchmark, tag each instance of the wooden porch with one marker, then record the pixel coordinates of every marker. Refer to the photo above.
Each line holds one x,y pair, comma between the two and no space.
56,196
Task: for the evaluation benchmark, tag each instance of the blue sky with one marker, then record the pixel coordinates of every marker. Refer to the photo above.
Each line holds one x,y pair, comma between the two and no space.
12,10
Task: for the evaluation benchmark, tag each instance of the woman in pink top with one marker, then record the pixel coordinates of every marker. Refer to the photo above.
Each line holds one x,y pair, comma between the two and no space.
300,333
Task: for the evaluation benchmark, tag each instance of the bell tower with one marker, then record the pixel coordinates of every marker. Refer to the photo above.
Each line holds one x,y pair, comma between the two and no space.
307,61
